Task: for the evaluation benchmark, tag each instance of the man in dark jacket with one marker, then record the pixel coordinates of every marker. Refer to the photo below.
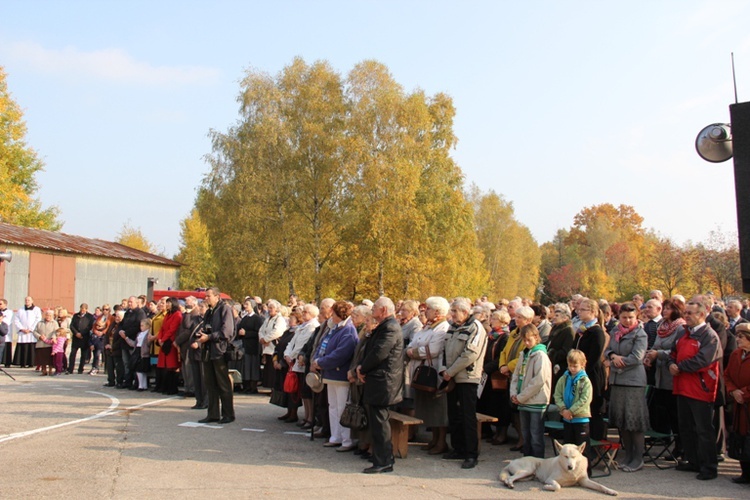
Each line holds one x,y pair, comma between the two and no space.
130,327
218,331
190,320
80,327
382,371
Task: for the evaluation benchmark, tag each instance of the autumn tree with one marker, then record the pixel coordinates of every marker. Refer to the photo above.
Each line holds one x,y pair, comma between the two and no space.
196,254
511,255
19,164
133,237
343,187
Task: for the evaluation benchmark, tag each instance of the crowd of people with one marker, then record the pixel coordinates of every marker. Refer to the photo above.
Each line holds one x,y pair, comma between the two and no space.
679,367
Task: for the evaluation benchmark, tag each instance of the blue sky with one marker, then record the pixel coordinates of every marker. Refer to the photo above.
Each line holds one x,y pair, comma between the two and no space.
560,105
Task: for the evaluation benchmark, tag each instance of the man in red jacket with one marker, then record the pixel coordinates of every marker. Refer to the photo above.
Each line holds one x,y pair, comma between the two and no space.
695,365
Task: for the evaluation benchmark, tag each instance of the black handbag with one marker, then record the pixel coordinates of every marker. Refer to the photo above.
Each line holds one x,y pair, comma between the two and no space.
354,416
738,446
425,377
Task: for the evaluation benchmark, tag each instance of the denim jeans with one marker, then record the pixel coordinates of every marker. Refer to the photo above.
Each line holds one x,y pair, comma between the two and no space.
532,427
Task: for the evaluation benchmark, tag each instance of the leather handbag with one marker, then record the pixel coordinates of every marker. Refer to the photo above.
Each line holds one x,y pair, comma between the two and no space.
738,446
498,381
425,377
354,416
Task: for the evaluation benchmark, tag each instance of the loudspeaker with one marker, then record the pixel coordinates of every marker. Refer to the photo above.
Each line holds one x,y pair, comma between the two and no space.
714,143
6,256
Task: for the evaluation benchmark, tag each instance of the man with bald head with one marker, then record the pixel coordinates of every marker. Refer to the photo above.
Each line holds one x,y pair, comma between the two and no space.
130,326
382,372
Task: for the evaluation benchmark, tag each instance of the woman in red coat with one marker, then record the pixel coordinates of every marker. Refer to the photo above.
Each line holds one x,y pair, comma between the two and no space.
168,360
737,377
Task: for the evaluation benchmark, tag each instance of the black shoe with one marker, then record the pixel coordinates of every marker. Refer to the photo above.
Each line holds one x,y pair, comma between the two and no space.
705,476
189,394
686,467
119,386
208,420
453,455
198,407
469,463
516,448
226,420
741,480
108,385
366,455
720,457
378,469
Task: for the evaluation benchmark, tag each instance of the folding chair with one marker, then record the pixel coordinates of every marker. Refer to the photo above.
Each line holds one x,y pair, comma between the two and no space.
661,443
605,454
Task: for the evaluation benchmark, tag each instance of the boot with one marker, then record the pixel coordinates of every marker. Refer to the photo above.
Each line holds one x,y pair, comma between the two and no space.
432,442
501,436
517,427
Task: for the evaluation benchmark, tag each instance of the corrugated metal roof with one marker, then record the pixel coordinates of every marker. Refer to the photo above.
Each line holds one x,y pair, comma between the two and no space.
61,242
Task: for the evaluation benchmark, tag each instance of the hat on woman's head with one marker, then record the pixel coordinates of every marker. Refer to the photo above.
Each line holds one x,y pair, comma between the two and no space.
314,381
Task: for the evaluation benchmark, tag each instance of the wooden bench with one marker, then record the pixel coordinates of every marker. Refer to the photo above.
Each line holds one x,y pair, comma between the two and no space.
481,419
400,432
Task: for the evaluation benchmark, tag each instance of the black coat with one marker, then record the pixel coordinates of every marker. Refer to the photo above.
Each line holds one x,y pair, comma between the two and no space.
251,340
592,344
560,342
131,322
82,324
219,325
382,364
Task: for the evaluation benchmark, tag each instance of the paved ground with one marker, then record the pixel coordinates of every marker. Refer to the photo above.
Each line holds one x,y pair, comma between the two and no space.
70,437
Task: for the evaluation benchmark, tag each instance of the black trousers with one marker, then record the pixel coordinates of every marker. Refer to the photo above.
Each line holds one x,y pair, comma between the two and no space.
77,345
201,396
697,432
380,426
219,388
462,419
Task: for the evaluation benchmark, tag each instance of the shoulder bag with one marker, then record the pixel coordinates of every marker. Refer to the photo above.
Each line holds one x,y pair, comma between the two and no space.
354,416
425,376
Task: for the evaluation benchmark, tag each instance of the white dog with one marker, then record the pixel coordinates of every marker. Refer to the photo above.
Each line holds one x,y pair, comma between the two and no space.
568,468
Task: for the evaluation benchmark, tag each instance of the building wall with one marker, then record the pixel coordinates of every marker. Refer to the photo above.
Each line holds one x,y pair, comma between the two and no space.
16,277
100,281
97,280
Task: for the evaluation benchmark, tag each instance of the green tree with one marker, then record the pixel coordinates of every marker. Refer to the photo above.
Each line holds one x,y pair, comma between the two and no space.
19,164
196,254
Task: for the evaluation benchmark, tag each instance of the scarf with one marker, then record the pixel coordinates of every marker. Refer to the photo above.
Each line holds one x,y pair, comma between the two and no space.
496,334
568,395
622,331
526,355
667,328
585,326
29,308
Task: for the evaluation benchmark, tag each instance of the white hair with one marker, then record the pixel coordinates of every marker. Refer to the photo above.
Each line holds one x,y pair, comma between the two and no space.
438,304
462,304
312,309
387,303
525,312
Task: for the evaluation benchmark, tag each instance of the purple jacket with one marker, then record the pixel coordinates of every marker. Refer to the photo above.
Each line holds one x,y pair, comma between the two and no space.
342,341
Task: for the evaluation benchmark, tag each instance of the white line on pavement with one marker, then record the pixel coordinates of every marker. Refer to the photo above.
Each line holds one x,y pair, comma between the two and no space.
253,430
115,403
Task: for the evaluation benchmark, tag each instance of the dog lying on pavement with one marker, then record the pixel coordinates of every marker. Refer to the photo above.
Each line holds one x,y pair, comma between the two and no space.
568,468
